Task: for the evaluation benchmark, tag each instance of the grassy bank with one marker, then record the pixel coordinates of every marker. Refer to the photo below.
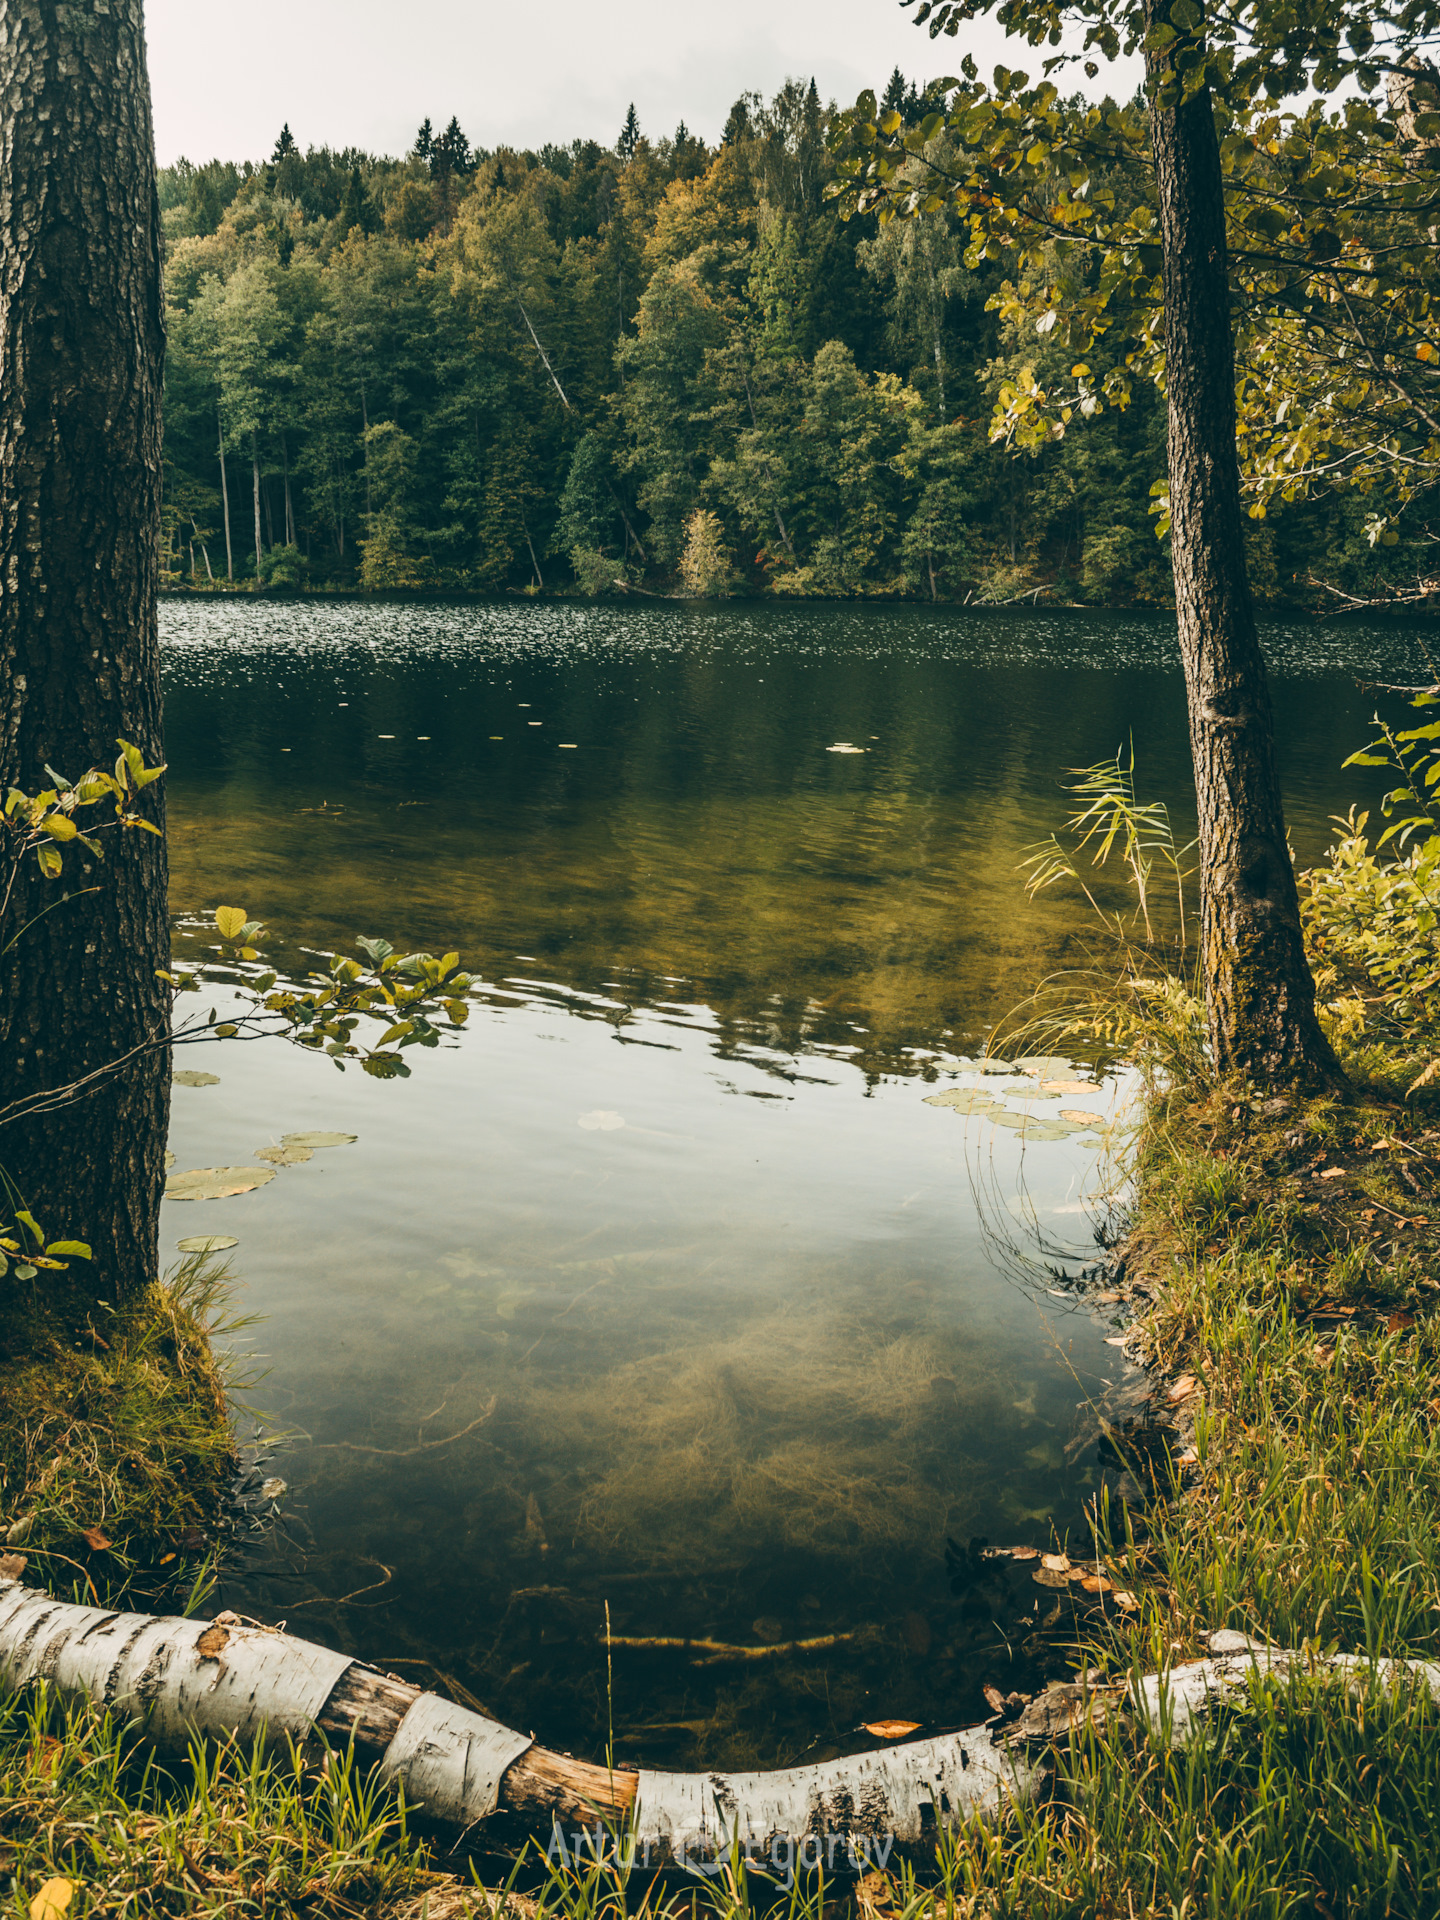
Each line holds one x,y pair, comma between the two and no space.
116,1445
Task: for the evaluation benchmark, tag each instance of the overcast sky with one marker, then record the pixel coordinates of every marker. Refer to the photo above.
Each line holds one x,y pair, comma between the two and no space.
519,72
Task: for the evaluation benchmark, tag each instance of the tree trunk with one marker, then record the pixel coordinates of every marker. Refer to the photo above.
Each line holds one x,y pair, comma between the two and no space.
225,499
289,504
81,353
1259,994
255,488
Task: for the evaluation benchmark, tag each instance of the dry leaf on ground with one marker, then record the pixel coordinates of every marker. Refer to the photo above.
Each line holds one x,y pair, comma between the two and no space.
891,1729
52,1900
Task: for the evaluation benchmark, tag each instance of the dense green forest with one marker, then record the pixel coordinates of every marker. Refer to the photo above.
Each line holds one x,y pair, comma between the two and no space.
658,363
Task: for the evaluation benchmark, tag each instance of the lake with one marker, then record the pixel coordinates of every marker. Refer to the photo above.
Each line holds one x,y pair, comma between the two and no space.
666,1286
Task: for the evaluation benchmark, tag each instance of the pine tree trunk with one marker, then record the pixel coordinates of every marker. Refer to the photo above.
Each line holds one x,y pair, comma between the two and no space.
1259,994
225,499
81,353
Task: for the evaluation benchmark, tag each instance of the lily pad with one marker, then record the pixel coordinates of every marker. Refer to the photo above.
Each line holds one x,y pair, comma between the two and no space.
602,1121
169,1161
995,1066
208,1243
1081,1087
285,1156
1043,1065
216,1183
190,1077
962,1099
318,1139
1078,1117
1047,1130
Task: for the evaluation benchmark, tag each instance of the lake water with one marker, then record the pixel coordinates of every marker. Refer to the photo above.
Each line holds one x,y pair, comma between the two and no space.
663,1286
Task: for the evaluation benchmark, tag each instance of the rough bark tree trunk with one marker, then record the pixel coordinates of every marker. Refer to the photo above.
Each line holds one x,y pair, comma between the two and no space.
81,353
289,503
1259,994
225,499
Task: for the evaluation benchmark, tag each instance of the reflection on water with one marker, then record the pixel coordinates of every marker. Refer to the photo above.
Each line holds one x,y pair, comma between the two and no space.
664,1286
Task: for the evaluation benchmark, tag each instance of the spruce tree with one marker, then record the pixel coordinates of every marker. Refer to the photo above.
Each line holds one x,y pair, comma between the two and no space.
629,135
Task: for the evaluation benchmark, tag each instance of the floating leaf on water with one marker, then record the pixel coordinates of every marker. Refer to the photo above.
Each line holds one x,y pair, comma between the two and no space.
994,1066
318,1139
272,1488
1046,1130
844,746
1018,1122
1043,1064
1068,1086
169,1161
891,1729
291,1156
216,1183
601,1121
207,1243
189,1077
1078,1117
962,1099
1096,1583
1044,1577
1055,1562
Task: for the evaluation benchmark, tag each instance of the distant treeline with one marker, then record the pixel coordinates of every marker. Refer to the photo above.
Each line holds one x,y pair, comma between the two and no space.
660,363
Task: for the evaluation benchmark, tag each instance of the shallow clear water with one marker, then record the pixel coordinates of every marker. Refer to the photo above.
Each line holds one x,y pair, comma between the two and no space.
675,1203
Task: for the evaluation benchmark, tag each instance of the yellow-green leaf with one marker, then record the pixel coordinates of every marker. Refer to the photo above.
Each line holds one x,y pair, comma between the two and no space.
50,862
231,922
59,826
69,1250
53,1900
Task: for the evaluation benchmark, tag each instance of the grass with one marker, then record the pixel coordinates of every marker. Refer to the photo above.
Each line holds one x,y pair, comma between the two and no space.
116,1445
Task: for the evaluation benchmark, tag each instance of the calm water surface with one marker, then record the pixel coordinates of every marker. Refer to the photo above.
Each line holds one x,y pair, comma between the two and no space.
663,1286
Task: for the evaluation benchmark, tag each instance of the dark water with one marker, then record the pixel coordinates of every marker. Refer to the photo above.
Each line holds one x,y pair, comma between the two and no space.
673,1222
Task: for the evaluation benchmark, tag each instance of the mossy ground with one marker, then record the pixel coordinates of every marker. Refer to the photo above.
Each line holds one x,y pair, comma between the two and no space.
116,1444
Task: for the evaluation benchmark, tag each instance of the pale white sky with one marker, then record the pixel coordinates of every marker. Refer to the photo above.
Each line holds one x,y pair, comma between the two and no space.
367,72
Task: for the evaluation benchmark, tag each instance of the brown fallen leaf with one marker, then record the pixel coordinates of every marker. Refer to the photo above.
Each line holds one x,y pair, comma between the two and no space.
1189,1458
97,1541
1125,1599
1183,1387
1332,1173
1023,1553
212,1642
891,1729
1115,1339
994,1699
1046,1577
1108,1298
1055,1562
1398,1322
52,1900
12,1565
1096,1583
1323,1356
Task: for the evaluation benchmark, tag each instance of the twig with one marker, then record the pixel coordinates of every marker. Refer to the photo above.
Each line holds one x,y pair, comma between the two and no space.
404,1453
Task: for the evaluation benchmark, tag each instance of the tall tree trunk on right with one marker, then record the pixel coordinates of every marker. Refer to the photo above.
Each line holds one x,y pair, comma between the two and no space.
1259,993
81,352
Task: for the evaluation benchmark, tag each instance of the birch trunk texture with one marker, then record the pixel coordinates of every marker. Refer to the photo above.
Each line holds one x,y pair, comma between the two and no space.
222,1677
1259,993
81,353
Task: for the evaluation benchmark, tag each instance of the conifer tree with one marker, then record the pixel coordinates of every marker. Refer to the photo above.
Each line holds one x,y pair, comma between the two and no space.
629,135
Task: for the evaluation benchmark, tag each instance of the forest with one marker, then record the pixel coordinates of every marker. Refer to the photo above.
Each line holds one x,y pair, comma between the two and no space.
655,367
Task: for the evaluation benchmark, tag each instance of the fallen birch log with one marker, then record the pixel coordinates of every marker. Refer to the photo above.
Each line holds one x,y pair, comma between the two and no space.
224,1678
